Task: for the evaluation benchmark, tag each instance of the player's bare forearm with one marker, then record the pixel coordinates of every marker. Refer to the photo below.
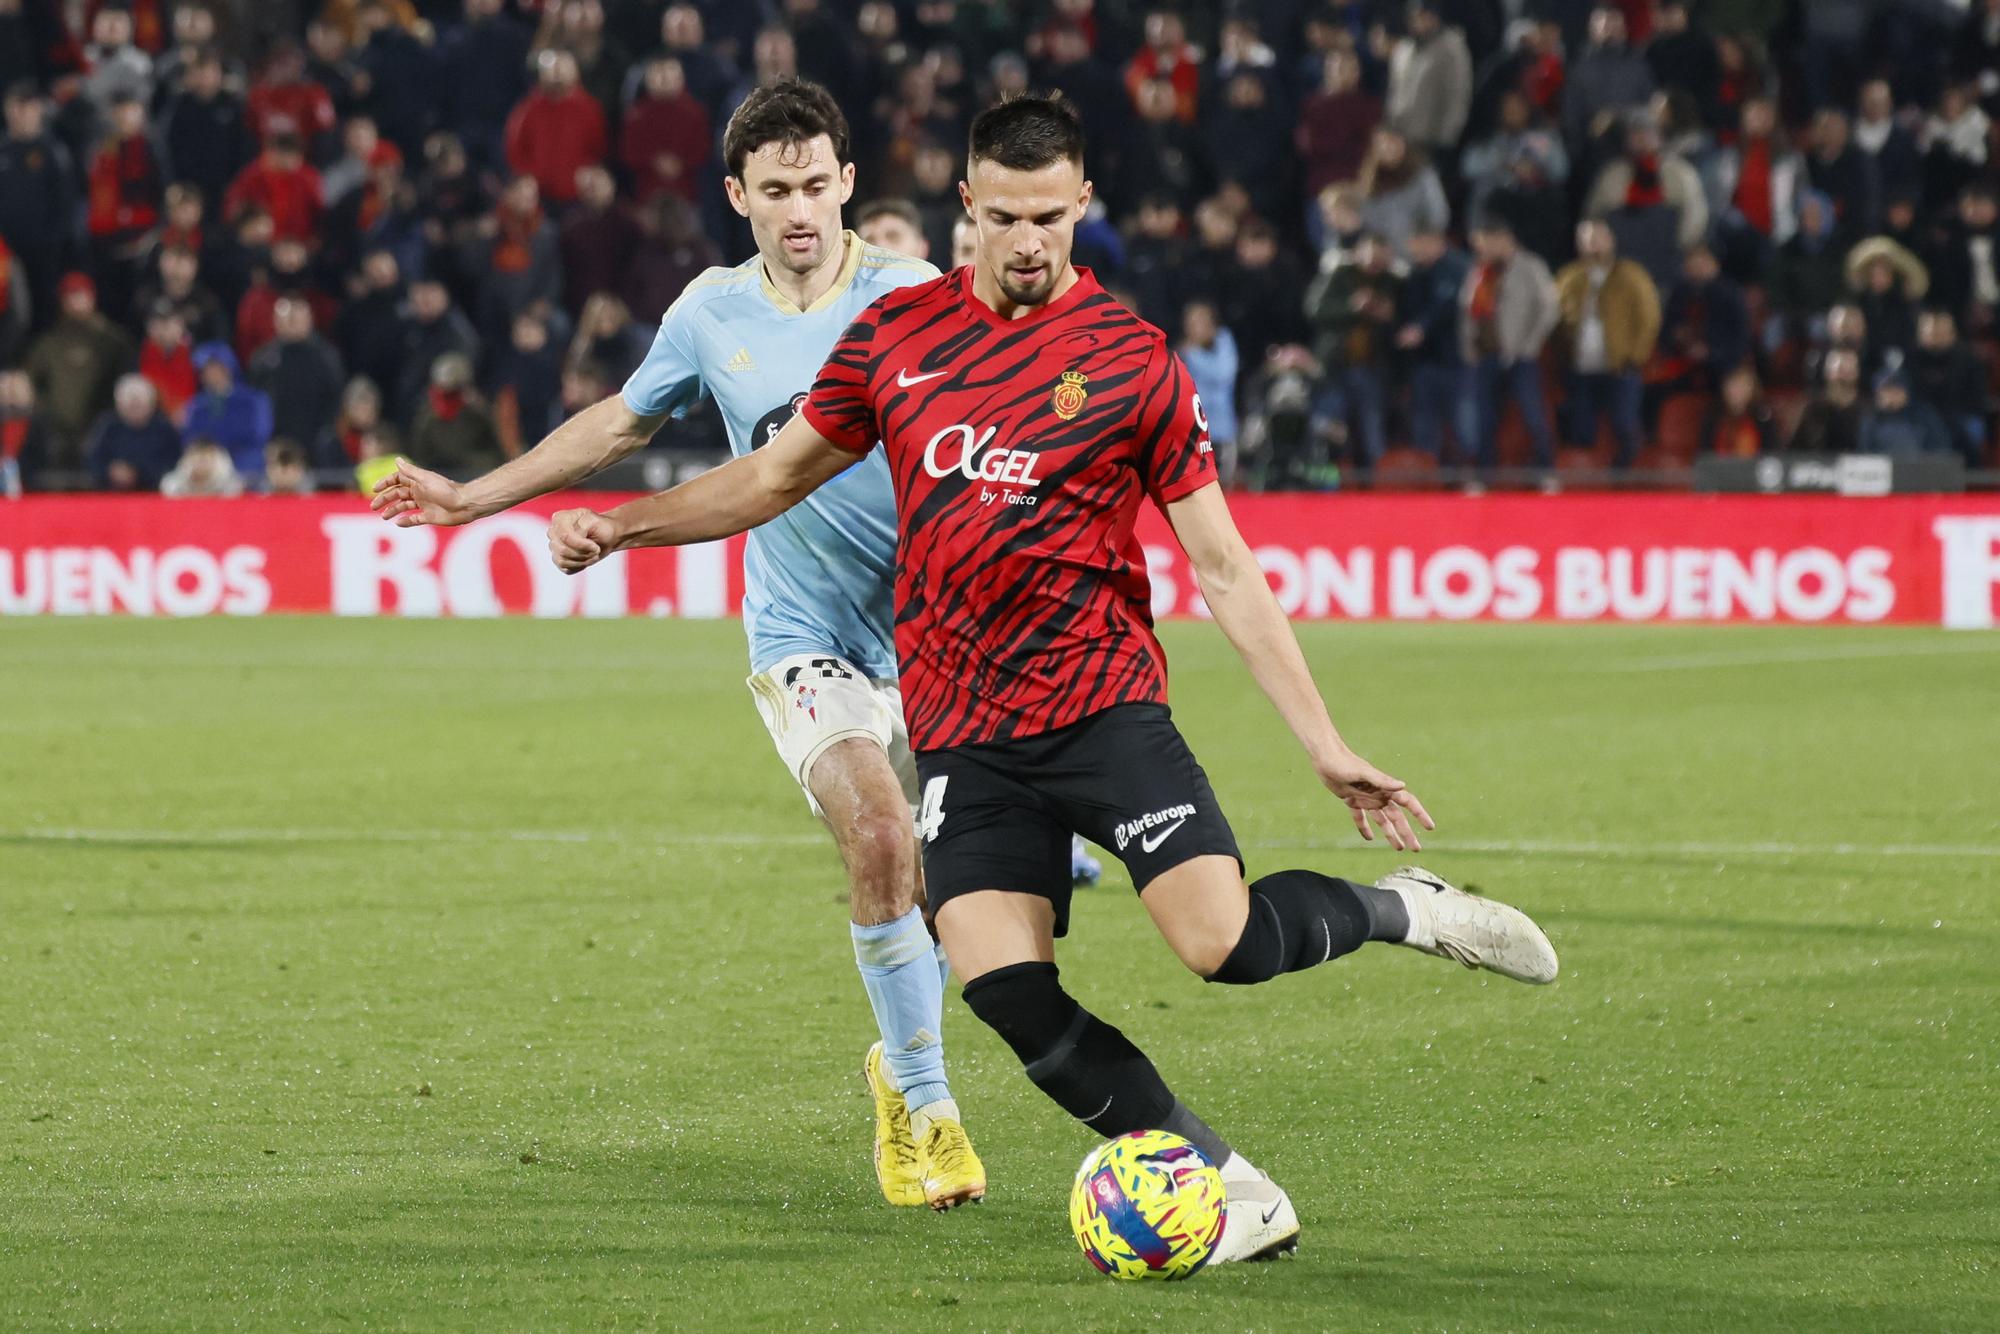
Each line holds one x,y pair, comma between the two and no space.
734,498
1240,600
583,446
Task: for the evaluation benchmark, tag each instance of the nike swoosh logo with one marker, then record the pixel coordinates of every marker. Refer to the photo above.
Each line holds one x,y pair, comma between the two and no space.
1152,841
1272,1212
904,379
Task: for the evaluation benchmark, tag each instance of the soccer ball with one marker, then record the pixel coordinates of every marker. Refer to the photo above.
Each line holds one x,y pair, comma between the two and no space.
1147,1205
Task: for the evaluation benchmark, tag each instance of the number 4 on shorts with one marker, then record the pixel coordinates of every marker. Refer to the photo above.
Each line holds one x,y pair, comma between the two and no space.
930,816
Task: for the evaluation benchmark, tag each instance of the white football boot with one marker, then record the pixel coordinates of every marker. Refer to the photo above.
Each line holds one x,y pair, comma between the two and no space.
1260,1224
1477,932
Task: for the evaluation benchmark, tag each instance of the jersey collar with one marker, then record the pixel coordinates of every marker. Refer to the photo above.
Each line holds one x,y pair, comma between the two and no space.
850,265
1084,287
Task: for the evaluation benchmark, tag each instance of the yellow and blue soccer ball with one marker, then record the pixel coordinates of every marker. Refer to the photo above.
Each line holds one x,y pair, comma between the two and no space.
1147,1205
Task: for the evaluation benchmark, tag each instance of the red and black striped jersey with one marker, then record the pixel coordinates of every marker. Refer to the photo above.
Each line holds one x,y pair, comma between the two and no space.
1020,451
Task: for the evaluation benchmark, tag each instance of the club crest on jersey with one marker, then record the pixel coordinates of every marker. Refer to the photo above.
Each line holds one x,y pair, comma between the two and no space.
1070,395
808,702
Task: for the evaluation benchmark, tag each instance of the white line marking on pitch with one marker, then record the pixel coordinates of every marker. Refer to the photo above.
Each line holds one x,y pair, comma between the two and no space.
1517,847
1775,657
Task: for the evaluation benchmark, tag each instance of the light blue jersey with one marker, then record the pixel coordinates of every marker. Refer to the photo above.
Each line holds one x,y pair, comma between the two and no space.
818,578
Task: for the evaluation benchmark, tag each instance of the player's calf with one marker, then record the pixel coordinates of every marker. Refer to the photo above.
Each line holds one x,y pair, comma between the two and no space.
1301,919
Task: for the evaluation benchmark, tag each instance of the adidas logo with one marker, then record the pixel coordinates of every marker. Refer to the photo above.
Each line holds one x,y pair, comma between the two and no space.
924,1038
741,362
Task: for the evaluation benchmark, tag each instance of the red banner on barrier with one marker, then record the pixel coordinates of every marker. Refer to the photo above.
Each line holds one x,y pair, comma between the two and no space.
1788,559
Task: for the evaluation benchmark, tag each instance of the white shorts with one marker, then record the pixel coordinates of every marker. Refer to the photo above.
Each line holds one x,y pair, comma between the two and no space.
812,700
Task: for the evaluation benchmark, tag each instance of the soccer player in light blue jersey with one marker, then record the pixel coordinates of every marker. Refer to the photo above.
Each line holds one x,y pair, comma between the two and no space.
817,583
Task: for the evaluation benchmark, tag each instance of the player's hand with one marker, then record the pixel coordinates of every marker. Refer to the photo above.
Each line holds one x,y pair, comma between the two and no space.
1372,795
411,497
580,538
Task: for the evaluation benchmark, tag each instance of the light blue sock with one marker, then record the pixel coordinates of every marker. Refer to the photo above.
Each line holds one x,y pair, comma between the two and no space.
944,967
899,967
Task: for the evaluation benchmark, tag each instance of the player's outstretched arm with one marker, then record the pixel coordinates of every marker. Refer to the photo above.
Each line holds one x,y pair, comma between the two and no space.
586,444
1243,605
722,502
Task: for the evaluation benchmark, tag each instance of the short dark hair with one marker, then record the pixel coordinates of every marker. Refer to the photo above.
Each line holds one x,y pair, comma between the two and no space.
1027,133
889,208
790,112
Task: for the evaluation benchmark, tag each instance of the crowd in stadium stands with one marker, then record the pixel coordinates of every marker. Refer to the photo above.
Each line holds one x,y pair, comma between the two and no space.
249,245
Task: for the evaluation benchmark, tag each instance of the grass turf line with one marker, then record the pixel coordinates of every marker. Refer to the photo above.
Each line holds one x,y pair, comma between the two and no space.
480,1082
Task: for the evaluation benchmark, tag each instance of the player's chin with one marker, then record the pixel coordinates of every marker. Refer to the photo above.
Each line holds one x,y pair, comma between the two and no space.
1027,287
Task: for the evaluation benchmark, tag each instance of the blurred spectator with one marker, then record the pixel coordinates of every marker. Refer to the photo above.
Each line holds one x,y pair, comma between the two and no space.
934,195
1607,80
1831,422
683,37
453,432
1401,193
1966,263
1809,272
117,69
16,305
1844,174
1260,292
1209,351
378,451
283,102
194,36
1279,448
1430,82
1166,57
1163,152
598,240
432,328
234,415
1336,125
166,360
607,338
1835,31
301,375
893,224
361,149
125,193
965,243
482,75
24,437
1530,202
1352,309
1610,314
360,416
1509,311
1888,282
557,129
577,26
1947,374
37,199
526,387
289,273
1653,200
280,183
1755,185
519,256
205,472
1739,424
666,138
1707,332
1958,137
1246,139
1427,335
179,286
330,63
399,74
1846,329
1488,164
74,366
286,470
368,333
672,253
1156,255
207,132
1682,55
1900,426
132,446
1899,164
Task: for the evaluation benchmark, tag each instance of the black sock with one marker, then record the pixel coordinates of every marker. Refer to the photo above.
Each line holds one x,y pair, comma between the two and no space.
1301,919
1087,1067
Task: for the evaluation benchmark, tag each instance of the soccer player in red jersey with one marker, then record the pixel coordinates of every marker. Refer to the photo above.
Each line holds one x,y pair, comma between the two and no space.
1026,415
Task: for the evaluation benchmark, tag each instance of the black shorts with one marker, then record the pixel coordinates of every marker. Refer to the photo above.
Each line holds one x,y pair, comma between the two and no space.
999,814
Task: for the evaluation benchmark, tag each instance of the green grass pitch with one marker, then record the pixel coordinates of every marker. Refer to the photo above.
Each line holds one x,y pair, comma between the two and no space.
491,975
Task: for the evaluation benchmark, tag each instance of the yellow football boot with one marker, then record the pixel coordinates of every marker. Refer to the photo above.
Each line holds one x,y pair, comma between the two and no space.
898,1167
953,1174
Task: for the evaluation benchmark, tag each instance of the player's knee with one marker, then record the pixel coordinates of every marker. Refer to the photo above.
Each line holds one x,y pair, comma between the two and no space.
1026,1005
879,850
1207,947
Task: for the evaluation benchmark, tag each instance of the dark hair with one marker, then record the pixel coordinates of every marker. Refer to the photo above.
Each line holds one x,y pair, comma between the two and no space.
789,112
890,208
1028,132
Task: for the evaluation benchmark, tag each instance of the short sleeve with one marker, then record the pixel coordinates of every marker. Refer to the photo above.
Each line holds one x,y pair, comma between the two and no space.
669,379
1175,456
841,406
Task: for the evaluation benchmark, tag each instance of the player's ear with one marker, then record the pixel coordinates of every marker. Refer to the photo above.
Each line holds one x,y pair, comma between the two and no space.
733,187
846,182
1083,200
965,196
